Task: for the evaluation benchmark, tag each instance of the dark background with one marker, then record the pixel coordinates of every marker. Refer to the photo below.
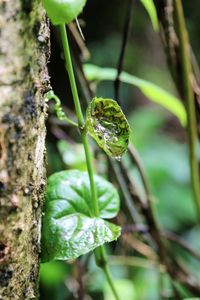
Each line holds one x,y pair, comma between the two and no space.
157,135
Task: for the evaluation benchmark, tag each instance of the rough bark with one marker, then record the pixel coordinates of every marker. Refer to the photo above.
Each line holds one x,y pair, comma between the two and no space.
24,51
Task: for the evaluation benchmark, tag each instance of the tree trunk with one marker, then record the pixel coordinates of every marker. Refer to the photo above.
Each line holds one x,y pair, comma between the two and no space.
24,48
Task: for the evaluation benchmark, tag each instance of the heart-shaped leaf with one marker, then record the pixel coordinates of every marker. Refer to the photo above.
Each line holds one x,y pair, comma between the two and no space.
68,228
68,237
107,124
63,11
68,192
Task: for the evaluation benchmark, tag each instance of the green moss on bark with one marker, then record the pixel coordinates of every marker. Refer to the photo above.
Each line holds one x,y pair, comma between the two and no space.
24,51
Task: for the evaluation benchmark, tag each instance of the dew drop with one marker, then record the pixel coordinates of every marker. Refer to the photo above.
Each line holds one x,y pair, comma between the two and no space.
118,158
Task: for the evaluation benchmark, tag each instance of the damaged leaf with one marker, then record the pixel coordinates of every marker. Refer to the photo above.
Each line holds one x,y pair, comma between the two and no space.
107,124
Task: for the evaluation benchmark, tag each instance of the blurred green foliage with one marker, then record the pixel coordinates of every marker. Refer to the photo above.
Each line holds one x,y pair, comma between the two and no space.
166,162
125,289
161,143
72,154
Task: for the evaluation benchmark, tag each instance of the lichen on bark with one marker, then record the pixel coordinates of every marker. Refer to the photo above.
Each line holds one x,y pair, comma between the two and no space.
24,49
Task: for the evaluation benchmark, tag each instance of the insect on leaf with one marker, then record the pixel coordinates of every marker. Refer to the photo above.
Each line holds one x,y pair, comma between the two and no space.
107,124
69,230
63,11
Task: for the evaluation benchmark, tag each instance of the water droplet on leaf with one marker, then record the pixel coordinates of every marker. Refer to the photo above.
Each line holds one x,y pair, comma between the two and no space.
107,124
118,158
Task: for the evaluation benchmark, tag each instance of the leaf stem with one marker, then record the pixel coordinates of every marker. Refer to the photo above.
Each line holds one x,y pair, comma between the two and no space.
58,108
189,99
101,261
91,174
71,75
80,118
108,276
100,253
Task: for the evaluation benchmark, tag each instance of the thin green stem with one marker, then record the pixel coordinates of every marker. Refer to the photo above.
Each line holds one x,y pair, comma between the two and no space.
190,102
71,75
91,174
101,260
100,253
79,117
58,108
108,276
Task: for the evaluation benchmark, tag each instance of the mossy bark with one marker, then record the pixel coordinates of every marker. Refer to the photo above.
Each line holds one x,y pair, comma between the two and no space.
24,49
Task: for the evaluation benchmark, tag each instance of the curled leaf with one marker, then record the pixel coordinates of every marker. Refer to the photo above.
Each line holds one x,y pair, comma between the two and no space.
153,92
63,11
107,124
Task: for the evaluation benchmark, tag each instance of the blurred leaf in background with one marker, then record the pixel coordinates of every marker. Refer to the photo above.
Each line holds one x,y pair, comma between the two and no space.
53,273
166,162
151,10
125,289
72,154
52,278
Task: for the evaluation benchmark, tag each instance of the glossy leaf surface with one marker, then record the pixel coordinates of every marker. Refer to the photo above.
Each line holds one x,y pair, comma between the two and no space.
63,11
69,192
107,124
68,228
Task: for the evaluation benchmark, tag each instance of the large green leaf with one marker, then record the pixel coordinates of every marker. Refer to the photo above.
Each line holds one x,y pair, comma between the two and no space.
107,124
68,237
69,192
63,11
68,228
150,90
151,10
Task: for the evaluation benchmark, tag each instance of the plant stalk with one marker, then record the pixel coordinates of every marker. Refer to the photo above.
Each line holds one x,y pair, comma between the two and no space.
71,75
101,260
189,100
100,253
58,109
108,276
80,118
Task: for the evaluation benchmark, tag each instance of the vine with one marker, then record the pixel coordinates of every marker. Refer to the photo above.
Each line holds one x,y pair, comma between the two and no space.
77,203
